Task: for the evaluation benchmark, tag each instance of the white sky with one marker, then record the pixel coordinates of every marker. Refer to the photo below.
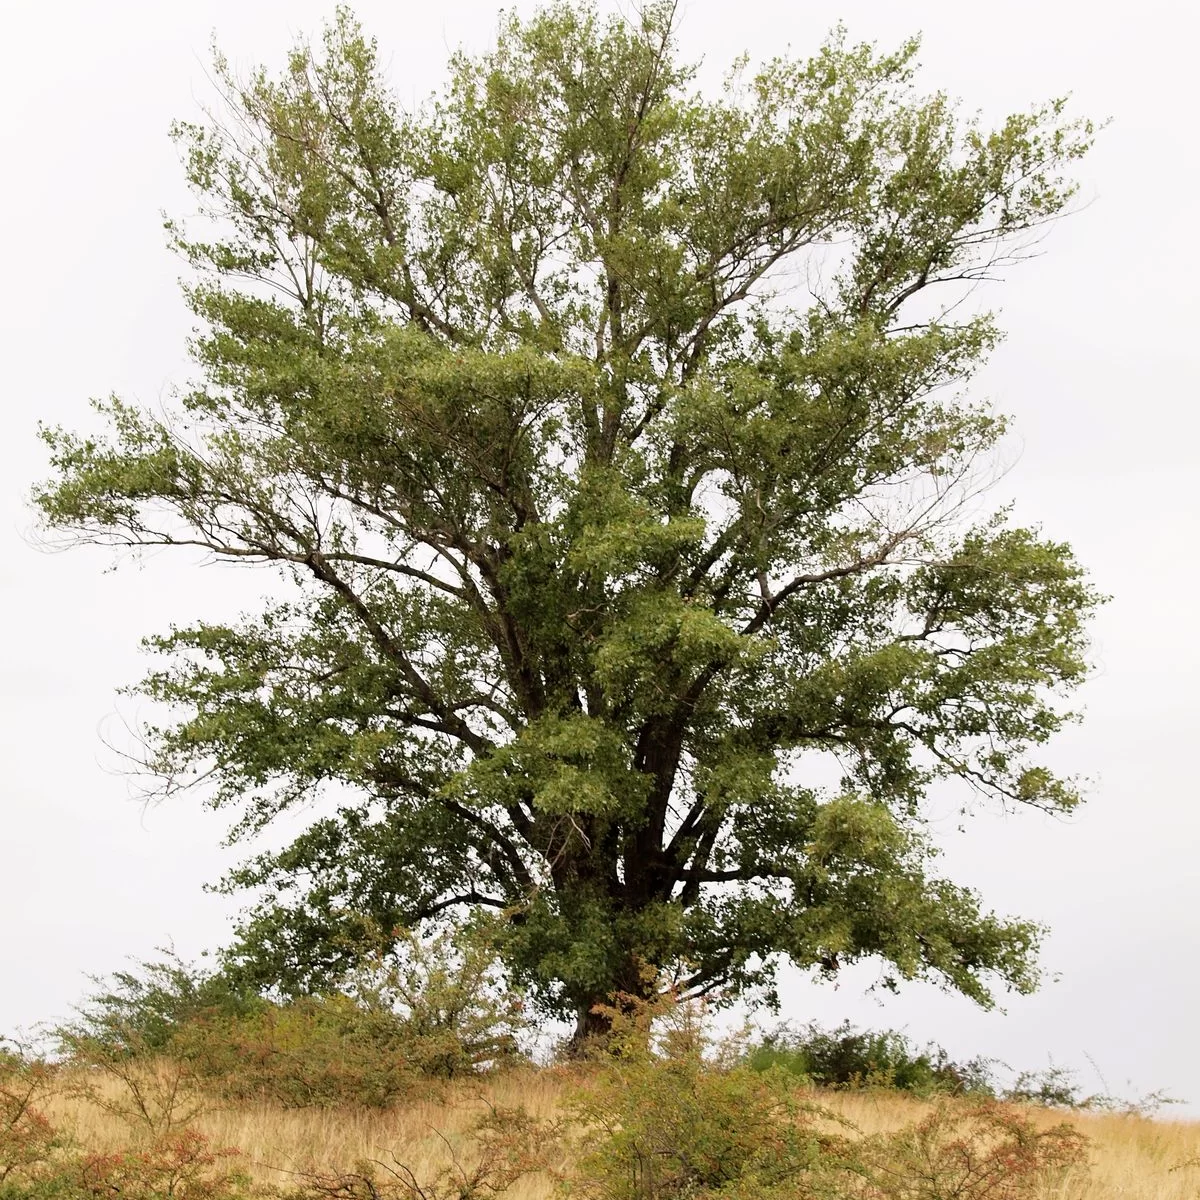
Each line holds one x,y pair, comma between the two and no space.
1099,371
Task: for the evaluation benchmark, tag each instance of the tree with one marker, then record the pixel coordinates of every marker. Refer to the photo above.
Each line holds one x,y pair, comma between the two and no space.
611,439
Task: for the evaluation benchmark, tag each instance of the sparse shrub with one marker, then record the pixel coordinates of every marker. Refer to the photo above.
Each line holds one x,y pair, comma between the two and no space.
29,1144
124,1036
1052,1087
177,1166
505,1145
981,1150
159,1093
1059,1087
40,1162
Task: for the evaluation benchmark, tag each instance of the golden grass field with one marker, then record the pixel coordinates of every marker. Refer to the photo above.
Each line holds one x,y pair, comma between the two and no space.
1132,1157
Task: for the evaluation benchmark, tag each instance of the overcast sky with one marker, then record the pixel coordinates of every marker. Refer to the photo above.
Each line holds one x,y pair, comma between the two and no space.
1099,371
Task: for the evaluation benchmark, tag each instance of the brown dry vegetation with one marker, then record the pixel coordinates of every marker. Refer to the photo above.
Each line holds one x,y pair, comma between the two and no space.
1131,1157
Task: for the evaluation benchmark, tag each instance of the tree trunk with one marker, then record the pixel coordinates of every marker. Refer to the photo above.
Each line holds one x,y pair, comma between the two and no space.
626,1010
592,1029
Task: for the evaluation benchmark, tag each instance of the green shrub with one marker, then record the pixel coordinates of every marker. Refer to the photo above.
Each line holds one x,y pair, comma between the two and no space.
846,1057
660,1119
664,1119
139,1012
438,1011
312,1052
457,1012
656,1131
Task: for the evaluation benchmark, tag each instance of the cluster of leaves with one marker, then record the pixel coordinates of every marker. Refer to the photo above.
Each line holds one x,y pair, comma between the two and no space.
170,1034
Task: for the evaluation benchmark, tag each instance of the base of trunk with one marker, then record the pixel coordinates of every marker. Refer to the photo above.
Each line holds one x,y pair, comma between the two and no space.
625,1018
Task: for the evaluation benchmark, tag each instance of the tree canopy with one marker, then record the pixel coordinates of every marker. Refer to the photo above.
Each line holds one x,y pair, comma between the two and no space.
613,439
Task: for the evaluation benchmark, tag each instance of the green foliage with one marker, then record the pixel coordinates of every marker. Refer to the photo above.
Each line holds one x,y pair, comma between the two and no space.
849,1058
438,1012
657,1121
1059,1087
138,1012
312,1052
604,546
663,1117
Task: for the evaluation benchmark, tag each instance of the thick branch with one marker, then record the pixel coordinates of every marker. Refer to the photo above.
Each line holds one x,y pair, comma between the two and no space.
454,724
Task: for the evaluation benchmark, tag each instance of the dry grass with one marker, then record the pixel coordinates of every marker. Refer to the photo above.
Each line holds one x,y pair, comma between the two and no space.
277,1143
1133,1158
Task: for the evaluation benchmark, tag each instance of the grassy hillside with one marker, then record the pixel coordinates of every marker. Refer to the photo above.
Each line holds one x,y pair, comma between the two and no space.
175,1087
1130,1157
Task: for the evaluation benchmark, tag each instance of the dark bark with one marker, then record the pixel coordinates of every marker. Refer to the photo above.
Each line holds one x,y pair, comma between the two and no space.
626,1008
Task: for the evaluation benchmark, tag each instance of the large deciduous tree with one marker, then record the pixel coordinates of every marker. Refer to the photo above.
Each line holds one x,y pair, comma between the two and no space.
612,436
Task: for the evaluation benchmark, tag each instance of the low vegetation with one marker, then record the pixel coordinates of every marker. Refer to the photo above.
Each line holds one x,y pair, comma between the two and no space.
436,1012
174,1084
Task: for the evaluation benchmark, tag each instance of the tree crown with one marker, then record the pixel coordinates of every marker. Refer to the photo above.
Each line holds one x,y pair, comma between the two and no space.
613,437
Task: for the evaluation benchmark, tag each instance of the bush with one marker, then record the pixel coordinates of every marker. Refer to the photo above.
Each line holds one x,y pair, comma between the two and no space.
846,1057
849,1058
139,1012
437,1012
663,1119
177,1166
29,1145
457,1011
658,1120
311,1052
981,1150
38,1162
